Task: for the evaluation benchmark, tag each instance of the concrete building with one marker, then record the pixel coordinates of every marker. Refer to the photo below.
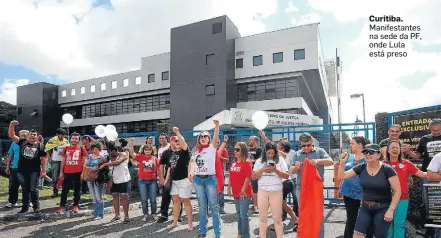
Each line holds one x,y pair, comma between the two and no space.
210,68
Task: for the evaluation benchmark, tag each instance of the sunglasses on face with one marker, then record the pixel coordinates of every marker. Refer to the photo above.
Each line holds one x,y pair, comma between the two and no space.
237,149
369,152
308,145
204,136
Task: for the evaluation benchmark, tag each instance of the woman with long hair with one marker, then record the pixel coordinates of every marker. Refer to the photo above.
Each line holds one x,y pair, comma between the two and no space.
203,159
351,188
404,168
120,175
239,187
381,191
147,178
270,171
95,181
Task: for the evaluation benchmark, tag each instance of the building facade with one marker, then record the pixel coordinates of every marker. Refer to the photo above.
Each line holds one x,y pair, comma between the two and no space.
210,68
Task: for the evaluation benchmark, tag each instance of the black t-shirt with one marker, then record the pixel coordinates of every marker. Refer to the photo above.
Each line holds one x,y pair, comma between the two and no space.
30,156
255,153
165,159
428,147
178,162
376,188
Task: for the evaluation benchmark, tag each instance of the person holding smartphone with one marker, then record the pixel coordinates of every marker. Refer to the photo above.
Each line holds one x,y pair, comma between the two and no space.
239,187
269,171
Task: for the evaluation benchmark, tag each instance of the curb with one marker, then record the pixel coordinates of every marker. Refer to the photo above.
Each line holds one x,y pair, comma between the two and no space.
53,216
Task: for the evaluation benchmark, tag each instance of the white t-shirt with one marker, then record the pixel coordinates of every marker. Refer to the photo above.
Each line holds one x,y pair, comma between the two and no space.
435,164
56,154
270,181
121,173
104,153
204,162
161,150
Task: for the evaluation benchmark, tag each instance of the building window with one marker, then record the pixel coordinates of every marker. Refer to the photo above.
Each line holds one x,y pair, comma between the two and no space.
209,59
103,87
278,57
269,90
209,90
217,28
137,80
299,54
72,92
239,63
165,75
125,82
151,78
257,60
114,84
92,88
83,90
63,93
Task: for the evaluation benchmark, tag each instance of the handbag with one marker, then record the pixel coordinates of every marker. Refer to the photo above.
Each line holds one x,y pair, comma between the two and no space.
91,175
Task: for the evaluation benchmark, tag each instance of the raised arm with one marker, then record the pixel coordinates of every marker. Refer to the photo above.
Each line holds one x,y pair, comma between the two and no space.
11,131
342,174
215,139
132,147
181,139
263,136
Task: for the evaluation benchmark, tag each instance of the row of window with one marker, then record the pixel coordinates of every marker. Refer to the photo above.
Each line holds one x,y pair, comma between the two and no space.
268,90
299,54
125,127
121,107
114,84
300,111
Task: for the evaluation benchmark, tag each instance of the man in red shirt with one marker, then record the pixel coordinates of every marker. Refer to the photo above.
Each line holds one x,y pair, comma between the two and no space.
222,153
71,170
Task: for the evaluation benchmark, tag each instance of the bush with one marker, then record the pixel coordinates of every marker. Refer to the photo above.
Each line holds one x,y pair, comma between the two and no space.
381,126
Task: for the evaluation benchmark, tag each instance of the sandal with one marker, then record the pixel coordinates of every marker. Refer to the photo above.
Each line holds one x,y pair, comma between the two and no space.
296,226
171,226
115,219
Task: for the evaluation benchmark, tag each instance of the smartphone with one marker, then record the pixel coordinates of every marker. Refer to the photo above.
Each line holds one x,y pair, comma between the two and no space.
272,163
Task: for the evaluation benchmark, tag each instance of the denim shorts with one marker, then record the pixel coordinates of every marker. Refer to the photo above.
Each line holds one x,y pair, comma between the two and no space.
372,214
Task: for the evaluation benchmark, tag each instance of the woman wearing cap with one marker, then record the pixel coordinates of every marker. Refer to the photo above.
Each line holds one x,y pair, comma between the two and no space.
381,191
203,159
269,171
403,168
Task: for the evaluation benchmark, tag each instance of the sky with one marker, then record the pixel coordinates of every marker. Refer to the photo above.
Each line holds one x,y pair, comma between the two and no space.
62,41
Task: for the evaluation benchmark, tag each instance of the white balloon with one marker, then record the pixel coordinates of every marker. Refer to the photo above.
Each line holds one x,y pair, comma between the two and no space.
260,120
111,127
100,131
112,135
67,118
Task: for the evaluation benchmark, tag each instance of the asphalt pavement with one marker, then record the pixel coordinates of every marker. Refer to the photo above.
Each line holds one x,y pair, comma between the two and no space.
87,227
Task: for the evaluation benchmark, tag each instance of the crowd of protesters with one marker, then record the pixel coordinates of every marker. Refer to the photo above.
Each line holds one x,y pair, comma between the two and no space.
375,188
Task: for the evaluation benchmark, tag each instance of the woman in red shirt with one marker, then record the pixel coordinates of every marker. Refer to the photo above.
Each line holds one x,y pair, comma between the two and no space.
239,187
403,168
147,178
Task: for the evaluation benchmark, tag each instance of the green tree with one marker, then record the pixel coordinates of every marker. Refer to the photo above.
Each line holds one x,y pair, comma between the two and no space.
8,112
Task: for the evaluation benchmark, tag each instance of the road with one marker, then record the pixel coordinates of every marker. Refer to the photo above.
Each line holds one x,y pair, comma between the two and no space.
87,227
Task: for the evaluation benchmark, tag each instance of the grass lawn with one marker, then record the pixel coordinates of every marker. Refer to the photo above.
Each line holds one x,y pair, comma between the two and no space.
45,193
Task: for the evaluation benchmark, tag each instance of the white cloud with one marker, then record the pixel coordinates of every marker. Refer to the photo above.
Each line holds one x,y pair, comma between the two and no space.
306,19
48,40
379,78
291,8
8,90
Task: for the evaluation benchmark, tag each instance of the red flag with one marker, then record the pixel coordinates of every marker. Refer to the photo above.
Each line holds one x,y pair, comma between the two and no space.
219,173
311,202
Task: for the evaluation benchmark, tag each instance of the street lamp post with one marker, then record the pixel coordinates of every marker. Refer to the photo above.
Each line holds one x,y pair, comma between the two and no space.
354,96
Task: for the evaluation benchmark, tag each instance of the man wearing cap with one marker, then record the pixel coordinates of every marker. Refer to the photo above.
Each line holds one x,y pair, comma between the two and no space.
163,167
54,147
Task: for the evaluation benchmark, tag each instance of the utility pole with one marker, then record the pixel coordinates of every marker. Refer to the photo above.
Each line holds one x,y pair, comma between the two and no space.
337,68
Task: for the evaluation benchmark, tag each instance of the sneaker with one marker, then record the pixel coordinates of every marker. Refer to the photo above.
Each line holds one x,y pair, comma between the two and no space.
60,210
10,205
222,211
200,236
24,210
98,218
161,219
36,210
75,209
126,220
145,218
115,219
256,211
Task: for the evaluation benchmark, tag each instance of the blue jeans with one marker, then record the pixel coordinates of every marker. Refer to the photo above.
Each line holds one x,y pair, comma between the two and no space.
243,225
205,188
372,214
29,187
96,192
147,190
